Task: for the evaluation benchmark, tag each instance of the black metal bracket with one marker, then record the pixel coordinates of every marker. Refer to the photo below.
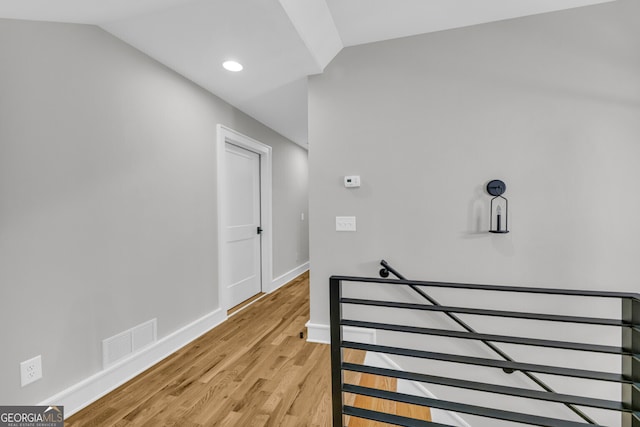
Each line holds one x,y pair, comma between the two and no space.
496,187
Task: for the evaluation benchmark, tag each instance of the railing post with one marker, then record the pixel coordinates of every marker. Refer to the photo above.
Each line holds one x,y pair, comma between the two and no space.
631,364
335,294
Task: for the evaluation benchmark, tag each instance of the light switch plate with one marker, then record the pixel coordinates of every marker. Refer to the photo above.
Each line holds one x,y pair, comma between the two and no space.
345,223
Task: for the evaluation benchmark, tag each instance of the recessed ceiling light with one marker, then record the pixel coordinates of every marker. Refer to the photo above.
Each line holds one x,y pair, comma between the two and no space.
232,66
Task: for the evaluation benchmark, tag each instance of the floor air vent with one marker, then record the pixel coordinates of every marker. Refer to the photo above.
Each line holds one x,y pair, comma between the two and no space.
126,343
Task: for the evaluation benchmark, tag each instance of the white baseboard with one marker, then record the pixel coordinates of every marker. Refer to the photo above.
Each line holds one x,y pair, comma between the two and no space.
288,276
319,333
91,389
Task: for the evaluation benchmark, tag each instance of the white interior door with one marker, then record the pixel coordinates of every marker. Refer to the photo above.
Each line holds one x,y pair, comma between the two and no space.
242,217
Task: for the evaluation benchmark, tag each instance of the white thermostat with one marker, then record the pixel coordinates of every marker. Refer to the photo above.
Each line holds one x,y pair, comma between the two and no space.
352,181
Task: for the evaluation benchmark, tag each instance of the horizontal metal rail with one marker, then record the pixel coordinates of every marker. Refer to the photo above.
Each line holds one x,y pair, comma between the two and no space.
461,407
487,337
610,405
490,363
493,313
496,288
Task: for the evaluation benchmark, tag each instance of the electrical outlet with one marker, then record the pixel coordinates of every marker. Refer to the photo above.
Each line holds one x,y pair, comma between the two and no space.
31,370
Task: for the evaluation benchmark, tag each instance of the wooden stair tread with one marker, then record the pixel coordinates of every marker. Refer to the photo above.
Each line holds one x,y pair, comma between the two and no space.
373,403
413,411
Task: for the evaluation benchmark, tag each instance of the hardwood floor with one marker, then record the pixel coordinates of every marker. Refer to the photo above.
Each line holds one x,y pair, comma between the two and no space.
252,370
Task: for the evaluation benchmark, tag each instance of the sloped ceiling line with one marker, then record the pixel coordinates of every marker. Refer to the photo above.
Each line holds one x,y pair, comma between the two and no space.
280,42
313,21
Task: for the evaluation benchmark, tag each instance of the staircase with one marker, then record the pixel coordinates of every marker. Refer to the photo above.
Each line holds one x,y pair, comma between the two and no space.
372,403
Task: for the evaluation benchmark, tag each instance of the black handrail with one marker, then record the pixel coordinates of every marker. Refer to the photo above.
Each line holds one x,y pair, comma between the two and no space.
384,272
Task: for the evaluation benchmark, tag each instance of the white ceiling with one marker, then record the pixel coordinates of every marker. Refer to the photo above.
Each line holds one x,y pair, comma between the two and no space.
279,42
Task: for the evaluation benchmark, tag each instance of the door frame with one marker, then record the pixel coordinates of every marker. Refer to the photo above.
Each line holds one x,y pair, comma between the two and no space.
227,135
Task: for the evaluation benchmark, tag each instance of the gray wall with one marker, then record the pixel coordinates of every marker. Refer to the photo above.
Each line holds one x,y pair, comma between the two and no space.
108,199
290,195
550,104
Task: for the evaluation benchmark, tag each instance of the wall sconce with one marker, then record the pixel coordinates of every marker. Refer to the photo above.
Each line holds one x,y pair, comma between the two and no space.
499,212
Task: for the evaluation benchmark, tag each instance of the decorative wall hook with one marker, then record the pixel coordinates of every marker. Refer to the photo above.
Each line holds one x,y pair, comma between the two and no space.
499,211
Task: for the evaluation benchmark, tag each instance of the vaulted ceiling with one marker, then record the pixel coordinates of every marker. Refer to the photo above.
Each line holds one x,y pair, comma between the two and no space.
279,42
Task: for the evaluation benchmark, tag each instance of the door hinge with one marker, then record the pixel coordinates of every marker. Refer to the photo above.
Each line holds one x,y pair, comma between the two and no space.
259,230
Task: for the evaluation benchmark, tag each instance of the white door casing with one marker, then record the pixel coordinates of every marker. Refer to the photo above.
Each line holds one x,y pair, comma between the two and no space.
235,152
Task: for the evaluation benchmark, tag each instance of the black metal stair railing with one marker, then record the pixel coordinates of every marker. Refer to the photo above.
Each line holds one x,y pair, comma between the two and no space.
629,379
485,339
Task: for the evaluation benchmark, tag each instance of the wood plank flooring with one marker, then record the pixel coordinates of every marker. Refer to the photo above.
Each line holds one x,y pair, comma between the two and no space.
252,370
